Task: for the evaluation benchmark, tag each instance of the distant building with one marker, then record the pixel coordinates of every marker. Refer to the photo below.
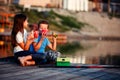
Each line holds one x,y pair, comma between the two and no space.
4,5
75,5
40,3
6,1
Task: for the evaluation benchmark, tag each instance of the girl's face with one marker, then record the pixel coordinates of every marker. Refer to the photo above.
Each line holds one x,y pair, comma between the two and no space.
25,24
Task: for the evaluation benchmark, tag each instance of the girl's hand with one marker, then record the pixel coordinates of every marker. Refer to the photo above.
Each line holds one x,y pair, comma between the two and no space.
36,34
30,36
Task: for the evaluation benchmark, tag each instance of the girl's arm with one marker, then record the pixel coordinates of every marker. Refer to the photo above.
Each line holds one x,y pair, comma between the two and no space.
25,46
28,43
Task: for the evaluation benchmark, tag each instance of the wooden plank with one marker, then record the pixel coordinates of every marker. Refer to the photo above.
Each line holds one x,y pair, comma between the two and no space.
113,70
96,76
47,72
79,74
15,69
7,68
108,77
43,75
64,74
111,74
24,75
19,73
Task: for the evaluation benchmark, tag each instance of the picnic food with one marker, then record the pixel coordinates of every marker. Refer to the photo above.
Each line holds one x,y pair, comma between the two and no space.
35,34
43,31
54,34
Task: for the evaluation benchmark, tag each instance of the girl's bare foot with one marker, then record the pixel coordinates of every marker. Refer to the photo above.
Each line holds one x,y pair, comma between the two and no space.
29,63
21,59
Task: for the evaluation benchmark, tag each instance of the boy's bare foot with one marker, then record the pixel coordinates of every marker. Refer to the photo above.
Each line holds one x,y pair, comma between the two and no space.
21,59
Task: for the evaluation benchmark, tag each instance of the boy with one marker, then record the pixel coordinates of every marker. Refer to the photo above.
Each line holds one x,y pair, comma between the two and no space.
42,42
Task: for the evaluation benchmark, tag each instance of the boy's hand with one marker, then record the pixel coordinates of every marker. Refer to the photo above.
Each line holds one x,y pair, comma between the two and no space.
43,32
54,35
43,35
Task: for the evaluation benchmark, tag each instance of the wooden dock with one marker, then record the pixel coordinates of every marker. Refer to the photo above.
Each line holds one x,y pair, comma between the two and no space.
9,70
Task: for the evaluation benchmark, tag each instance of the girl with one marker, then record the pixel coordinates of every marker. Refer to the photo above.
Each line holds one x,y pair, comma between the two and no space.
20,39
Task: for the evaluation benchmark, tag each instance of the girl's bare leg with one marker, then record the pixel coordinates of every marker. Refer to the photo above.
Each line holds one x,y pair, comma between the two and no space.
22,62
24,59
30,63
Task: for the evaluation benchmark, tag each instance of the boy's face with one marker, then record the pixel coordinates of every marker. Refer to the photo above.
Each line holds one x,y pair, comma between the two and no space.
43,28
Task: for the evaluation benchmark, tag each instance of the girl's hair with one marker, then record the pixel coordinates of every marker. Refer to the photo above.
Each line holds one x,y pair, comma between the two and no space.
43,22
18,25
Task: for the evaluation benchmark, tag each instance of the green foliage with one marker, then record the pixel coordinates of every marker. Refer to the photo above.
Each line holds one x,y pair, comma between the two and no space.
18,7
62,27
64,23
69,48
33,16
69,21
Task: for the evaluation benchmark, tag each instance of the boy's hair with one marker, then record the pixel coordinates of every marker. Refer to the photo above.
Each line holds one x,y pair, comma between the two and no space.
43,22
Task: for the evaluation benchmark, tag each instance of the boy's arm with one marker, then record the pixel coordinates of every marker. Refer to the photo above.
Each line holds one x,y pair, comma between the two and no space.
54,44
38,45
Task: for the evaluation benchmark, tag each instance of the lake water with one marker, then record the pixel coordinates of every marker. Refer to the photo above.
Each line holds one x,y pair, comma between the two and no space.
97,52
92,52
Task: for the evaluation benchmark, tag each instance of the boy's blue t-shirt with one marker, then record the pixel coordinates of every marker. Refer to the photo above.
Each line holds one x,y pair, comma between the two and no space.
43,45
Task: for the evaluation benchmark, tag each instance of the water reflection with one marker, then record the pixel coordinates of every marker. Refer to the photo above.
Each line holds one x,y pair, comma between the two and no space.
96,52
83,51
5,49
